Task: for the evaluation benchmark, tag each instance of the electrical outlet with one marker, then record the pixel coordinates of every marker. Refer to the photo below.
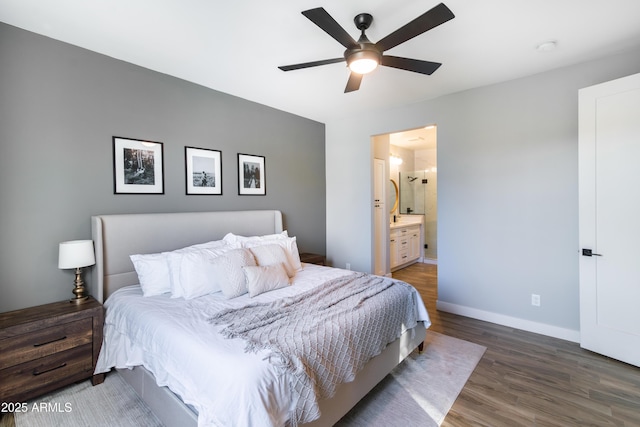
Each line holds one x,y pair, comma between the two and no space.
535,300
348,266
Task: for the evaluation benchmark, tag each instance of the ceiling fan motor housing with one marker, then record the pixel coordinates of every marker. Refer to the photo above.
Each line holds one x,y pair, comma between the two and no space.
364,48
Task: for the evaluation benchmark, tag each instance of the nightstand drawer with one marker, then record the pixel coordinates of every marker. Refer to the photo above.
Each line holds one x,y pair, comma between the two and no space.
20,380
45,342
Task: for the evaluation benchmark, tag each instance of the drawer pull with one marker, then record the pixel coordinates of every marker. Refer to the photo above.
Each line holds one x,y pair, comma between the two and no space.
36,372
49,342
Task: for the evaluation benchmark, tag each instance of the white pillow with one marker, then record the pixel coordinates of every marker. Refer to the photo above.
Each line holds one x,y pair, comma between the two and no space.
208,245
273,254
265,278
288,243
174,260
197,273
228,274
234,238
153,273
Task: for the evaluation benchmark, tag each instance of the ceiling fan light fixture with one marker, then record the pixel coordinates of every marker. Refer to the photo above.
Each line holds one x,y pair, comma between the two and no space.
362,56
363,61
363,66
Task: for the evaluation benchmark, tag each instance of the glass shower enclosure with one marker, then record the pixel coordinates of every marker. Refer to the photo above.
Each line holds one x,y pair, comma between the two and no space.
418,196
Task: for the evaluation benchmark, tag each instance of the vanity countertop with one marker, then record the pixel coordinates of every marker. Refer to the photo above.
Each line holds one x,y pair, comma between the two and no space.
406,221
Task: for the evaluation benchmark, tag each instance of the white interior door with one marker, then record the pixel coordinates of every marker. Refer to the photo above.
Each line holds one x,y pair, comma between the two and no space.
609,164
380,222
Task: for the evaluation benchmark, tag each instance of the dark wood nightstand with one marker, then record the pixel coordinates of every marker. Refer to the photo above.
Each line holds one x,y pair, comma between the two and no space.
47,347
312,258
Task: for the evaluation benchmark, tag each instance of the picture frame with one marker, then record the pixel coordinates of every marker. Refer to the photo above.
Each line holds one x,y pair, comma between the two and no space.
138,166
203,171
251,175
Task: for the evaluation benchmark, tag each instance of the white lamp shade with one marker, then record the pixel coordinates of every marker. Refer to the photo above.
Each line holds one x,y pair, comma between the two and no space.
76,253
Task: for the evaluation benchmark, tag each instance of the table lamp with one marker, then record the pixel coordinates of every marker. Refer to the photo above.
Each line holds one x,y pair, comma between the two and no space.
77,254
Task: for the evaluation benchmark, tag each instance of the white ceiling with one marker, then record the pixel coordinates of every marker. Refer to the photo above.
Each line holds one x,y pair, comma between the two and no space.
236,46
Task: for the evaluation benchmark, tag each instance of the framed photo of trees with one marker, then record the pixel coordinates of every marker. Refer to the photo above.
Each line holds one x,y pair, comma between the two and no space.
138,166
251,175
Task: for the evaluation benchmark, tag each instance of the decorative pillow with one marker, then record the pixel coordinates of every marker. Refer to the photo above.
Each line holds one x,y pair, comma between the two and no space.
174,260
273,254
265,278
228,274
153,273
288,244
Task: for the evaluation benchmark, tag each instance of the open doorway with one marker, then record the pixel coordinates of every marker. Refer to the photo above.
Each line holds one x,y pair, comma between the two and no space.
407,161
417,178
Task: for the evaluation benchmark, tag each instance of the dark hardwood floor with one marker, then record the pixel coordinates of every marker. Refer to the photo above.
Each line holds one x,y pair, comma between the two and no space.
527,379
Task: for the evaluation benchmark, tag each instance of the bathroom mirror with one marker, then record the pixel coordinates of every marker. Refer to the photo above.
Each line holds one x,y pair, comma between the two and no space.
392,198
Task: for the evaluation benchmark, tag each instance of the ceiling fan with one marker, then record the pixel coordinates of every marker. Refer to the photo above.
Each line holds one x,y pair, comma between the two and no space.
364,56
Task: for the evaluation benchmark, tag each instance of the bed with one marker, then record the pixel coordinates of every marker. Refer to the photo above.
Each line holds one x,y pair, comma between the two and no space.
117,237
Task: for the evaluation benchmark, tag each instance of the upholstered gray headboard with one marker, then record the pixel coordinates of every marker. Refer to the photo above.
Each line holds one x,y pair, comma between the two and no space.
117,236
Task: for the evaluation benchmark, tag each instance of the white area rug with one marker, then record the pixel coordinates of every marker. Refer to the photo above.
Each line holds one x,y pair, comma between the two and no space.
419,392
112,403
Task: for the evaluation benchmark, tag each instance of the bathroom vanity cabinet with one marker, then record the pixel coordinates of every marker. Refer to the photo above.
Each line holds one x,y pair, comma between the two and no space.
404,245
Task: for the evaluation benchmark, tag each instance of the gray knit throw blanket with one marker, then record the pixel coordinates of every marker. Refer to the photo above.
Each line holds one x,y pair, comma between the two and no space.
323,337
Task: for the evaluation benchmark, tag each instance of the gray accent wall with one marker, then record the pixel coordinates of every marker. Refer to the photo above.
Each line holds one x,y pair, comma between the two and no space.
507,193
60,105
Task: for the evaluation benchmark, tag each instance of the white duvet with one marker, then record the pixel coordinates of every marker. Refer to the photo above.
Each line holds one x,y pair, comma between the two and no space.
172,338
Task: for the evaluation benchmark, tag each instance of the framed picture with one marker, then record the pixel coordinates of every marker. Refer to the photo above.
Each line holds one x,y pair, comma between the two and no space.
251,175
204,170
138,166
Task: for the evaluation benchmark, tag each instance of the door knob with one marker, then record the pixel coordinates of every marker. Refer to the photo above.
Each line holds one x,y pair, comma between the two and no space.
589,252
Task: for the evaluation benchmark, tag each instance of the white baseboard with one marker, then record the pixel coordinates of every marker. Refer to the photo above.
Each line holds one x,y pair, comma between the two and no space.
429,261
512,322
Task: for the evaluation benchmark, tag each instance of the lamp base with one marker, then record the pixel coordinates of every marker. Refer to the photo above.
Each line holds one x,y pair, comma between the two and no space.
79,291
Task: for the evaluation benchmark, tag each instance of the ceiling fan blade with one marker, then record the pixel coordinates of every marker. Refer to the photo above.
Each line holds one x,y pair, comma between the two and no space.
415,65
322,19
310,64
354,82
431,19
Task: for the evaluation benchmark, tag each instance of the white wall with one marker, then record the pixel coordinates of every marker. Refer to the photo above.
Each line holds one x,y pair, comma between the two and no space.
351,204
507,193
